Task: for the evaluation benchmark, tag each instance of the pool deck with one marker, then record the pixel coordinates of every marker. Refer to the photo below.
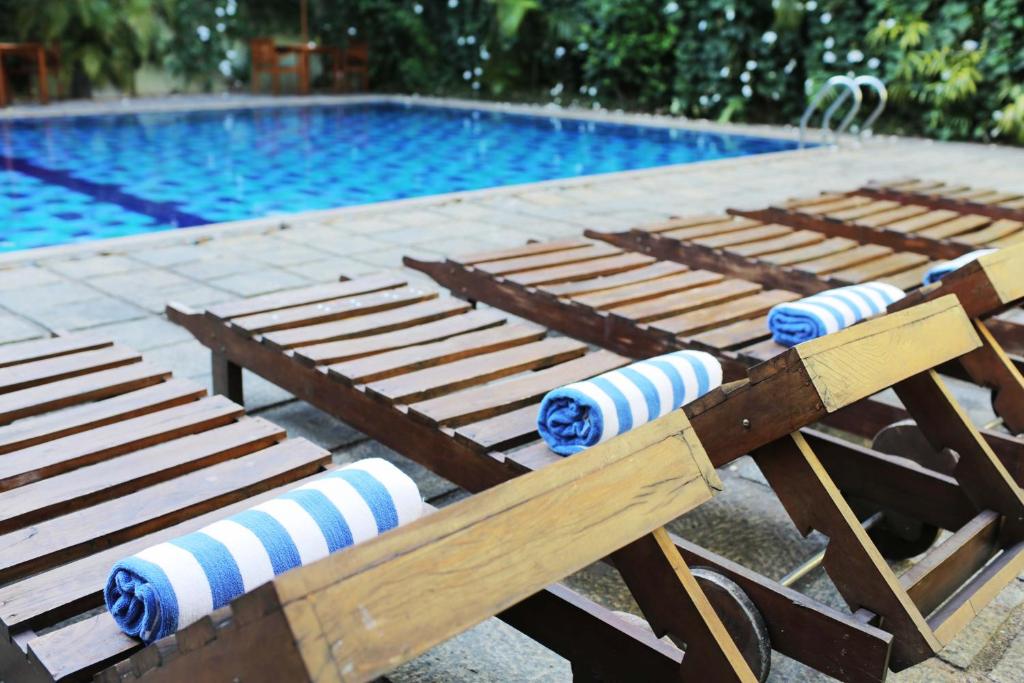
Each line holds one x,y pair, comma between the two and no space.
120,288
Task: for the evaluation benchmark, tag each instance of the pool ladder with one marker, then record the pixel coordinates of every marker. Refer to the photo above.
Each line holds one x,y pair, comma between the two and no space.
851,87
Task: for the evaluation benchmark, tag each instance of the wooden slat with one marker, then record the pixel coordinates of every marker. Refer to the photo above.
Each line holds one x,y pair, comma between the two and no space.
1009,240
887,265
478,403
711,317
97,385
864,210
545,260
40,349
119,476
25,375
823,198
450,326
845,202
390,363
649,290
501,431
675,223
436,381
832,245
531,249
724,226
844,259
794,240
582,271
908,279
728,337
763,232
687,300
61,455
922,221
956,227
334,309
997,230
36,430
72,536
305,295
364,326
655,271
886,217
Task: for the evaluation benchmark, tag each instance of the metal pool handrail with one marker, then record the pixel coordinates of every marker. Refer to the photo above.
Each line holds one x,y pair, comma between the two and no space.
852,89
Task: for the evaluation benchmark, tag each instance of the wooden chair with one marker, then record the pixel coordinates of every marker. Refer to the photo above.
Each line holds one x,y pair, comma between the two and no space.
420,378
265,59
358,614
961,198
103,454
356,62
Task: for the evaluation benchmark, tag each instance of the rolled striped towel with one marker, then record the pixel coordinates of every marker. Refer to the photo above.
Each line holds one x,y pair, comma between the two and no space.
579,415
170,585
828,312
941,270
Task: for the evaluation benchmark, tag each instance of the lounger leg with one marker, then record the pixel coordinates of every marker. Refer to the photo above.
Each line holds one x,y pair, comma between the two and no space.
990,366
854,564
227,378
674,604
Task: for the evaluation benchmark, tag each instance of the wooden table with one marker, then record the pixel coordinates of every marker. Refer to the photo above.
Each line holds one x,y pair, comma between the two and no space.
30,50
303,52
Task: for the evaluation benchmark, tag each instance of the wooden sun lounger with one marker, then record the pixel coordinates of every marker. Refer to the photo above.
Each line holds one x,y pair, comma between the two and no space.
426,379
936,226
360,613
959,198
650,307
101,455
476,431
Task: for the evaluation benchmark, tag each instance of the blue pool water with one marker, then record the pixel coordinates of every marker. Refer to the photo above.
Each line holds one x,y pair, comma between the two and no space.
83,178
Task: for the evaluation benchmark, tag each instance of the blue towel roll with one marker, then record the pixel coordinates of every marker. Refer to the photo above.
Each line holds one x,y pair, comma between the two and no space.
577,416
827,312
941,270
170,585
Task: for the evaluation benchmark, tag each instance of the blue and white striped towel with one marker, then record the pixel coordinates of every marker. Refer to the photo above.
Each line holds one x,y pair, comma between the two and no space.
937,272
168,586
579,415
827,312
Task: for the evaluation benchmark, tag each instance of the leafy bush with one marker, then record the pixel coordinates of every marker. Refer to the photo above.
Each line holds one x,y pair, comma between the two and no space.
954,69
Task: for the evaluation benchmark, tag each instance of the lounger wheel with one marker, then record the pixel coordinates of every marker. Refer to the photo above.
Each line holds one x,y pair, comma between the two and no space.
739,615
898,536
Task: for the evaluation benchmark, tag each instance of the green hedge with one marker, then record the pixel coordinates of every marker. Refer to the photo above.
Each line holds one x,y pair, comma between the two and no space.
955,69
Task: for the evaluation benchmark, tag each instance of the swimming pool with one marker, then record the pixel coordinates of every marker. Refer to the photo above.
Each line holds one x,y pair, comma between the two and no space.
75,179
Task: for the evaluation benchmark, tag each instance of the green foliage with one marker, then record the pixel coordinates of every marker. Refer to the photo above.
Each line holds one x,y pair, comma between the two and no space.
955,69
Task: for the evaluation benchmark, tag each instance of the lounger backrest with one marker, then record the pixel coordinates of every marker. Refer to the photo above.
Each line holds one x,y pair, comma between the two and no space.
358,614
824,375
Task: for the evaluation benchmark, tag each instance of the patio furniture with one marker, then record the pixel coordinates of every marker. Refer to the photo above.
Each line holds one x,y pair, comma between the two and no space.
633,304
484,556
414,370
357,63
102,454
270,58
38,55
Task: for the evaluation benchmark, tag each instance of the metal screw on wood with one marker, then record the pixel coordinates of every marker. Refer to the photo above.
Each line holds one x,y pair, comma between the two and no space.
745,423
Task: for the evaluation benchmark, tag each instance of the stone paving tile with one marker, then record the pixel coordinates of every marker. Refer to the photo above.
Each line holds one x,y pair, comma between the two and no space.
362,225
83,314
302,419
213,266
192,294
186,358
14,328
28,299
145,333
259,281
92,266
282,253
328,269
168,255
976,635
26,276
126,284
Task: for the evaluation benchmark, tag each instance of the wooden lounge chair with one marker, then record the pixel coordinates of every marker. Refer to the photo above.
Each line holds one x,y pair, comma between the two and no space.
372,361
103,454
934,225
960,198
633,304
360,613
